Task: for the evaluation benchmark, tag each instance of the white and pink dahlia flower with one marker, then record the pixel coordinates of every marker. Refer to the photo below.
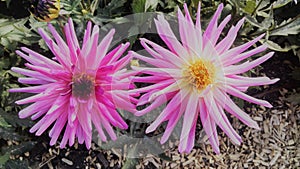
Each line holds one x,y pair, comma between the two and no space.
80,88
196,77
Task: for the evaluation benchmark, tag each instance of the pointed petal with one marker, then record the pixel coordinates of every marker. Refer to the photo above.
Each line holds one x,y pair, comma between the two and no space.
209,126
175,116
212,26
25,80
227,42
103,48
241,81
154,62
97,123
162,53
231,53
237,69
235,59
233,109
189,121
57,128
187,34
220,119
239,94
166,34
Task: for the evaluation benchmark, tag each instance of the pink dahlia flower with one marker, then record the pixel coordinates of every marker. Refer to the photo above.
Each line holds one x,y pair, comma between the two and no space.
196,77
80,87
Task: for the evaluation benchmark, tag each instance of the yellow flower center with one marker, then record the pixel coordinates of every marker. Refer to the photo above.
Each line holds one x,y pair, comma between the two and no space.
199,74
82,86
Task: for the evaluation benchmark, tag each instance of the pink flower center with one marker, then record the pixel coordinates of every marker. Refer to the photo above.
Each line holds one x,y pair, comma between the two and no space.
83,85
200,74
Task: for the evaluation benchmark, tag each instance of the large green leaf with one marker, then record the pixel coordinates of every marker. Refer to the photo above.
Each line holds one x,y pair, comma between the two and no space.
14,31
11,31
287,27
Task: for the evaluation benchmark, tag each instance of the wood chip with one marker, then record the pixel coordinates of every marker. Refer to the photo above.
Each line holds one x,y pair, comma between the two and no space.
69,162
274,159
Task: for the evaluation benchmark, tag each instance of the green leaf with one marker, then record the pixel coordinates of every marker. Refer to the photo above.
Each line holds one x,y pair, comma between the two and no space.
94,5
34,24
10,134
13,31
253,21
280,3
14,74
43,45
113,9
13,120
3,159
262,4
169,4
130,163
70,6
138,6
3,123
4,63
142,146
153,146
12,164
268,21
287,27
151,5
265,24
7,3
277,4
250,6
119,143
274,46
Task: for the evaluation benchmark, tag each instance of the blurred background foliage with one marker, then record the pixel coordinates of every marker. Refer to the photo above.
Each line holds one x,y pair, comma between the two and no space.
278,19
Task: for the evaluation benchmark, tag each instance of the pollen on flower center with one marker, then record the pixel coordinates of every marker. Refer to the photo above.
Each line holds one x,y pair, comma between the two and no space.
199,74
82,86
